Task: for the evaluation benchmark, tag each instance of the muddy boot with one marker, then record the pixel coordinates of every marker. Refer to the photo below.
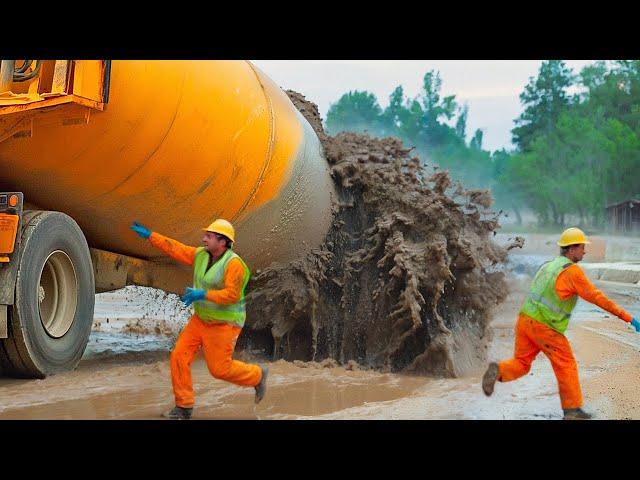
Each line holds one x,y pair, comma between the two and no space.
576,414
178,413
489,378
261,388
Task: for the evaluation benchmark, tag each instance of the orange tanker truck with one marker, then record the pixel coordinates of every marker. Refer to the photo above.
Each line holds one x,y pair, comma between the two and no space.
88,146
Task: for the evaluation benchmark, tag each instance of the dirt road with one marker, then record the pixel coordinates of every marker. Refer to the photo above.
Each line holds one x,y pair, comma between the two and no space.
126,376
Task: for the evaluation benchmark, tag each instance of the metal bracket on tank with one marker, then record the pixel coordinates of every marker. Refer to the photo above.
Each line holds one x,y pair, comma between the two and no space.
9,127
82,118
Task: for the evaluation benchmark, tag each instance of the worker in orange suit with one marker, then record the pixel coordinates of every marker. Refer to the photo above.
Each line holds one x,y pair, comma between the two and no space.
220,277
543,319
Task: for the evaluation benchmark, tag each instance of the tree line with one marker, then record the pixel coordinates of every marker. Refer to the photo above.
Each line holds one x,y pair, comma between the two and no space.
577,145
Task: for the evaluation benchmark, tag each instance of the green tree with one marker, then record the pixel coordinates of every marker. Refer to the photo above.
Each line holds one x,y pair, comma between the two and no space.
612,92
476,141
461,122
355,111
435,110
544,98
412,128
395,115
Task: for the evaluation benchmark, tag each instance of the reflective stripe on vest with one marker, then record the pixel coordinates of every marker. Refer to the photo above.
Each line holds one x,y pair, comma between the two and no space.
553,308
213,279
543,303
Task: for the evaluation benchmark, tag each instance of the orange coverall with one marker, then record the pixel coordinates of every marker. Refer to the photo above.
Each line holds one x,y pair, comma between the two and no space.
218,340
533,336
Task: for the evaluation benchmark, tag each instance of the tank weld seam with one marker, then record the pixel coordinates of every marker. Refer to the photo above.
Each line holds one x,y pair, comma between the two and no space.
269,154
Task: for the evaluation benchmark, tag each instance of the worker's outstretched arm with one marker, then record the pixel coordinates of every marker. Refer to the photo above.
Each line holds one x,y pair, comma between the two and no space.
176,250
573,281
230,293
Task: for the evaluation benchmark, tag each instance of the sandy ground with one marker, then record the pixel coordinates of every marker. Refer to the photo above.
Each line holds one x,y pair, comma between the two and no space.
126,376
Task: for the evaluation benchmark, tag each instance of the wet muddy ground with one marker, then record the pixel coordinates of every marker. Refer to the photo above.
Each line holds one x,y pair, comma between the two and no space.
126,376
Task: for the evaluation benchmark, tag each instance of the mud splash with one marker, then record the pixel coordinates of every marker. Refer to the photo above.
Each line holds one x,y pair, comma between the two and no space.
406,279
139,311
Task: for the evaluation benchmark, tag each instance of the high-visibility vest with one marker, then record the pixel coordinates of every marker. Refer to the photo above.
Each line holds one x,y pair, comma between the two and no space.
543,302
213,279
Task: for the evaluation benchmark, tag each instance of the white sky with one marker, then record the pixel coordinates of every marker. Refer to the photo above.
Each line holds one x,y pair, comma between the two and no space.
490,87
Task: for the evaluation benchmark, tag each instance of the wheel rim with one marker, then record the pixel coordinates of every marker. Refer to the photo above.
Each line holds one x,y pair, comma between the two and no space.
57,294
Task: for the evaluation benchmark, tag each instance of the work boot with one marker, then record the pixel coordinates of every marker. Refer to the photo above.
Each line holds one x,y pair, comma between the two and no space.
576,414
178,413
489,378
261,388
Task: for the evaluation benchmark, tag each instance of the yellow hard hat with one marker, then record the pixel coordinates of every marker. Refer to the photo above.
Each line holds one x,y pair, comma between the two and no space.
572,236
221,226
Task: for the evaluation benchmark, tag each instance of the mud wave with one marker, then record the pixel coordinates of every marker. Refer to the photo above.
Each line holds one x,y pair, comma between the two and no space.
407,276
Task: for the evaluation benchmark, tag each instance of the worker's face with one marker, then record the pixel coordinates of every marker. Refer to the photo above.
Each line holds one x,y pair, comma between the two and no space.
576,252
215,244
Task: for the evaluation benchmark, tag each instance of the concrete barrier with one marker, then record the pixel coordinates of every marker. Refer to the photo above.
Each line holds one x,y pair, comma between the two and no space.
613,272
608,258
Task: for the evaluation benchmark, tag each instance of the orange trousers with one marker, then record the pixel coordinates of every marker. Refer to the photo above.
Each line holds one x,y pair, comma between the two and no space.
218,340
533,336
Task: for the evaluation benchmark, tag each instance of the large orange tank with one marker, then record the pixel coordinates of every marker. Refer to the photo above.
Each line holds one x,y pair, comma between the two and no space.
178,144
89,146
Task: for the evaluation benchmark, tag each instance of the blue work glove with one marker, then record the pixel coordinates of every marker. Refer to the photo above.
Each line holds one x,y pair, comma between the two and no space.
144,232
635,324
193,295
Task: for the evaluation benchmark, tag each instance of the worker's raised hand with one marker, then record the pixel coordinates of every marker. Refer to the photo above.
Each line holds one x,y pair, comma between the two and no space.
635,324
144,232
193,295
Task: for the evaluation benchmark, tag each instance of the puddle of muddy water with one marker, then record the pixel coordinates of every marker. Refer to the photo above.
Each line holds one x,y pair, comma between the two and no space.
293,393
320,395
130,405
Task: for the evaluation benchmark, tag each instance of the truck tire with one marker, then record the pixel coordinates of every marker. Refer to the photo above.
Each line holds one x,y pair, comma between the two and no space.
50,322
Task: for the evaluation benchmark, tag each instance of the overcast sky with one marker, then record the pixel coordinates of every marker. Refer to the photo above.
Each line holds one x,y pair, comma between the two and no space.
491,88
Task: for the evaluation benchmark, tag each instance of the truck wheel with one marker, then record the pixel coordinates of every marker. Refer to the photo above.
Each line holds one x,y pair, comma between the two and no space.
50,322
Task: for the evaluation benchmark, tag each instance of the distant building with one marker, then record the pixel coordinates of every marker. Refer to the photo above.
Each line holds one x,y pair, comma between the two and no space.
624,217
